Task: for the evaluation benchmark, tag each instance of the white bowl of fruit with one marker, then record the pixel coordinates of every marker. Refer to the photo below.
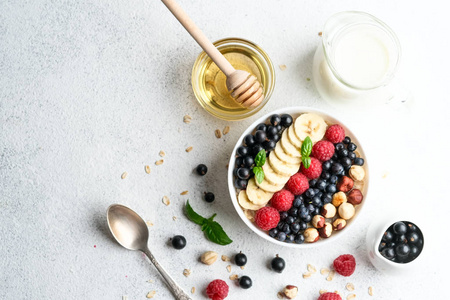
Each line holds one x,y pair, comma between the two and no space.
298,177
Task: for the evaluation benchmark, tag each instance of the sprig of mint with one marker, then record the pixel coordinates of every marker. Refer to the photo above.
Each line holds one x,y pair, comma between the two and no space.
260,160
305,151
213,231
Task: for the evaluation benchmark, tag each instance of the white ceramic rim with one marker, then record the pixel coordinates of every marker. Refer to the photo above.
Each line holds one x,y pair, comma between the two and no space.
292,111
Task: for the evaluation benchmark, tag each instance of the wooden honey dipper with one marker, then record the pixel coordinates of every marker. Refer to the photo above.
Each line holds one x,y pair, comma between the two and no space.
244,87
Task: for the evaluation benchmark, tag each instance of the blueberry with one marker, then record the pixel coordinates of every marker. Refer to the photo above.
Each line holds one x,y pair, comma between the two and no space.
281,236
326,165
346,162
317,211
239,162
271,131
209,197
290,238
202,169
269,145
387,236
308,218
327,198
316,202
240,259
283,215
325,175
286,120
310,208
321,184
303,226
298,201
273,232
346,140
312,182
178,242
256,148
260,136
243,173
242,151
280,225
295,227
333,179
337,169
316,191
276,138
278,264
286,228
248,161
358,161
293,211
289,220
334,157
261,126
249,140
400,228
402,250
303,212
310,193
389,253
245,282
343,153
275,120
338,147
299,239
331,188
319,194
351,155
351,147
240,183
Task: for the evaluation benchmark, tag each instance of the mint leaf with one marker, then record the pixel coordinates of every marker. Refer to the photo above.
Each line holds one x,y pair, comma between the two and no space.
259,174
260,158
306,161
306,147
193,216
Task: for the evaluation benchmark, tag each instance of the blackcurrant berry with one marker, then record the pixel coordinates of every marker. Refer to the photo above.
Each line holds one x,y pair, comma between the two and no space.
245,282
242,151
240,259
278,264
286,120
209,197
400,228
351,147
202,169
178,242
249,140
243,173
260,136
275,120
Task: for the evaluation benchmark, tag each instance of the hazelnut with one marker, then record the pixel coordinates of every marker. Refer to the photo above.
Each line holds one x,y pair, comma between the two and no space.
339,224
346,211
290,291
339,198
329,210
355,197
326,230
357,173
311,235
209,257
318,221
345,184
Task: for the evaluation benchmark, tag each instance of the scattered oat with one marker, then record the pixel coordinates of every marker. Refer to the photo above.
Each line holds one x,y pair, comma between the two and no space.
193,290
324,271
331,275
150,281
320,33
229,268
149,223
184,193
350,287
351,297
174,218
322,291
306,275
234,277
187,119
124,297
124,175
280,295
189,149
162,153
151,294
312,269
226,130
159,162
282,67
242,267
166,200
370,291
147,169
186,272
385,174
218,133
225,258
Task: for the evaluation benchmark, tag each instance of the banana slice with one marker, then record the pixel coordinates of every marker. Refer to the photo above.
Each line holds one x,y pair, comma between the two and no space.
273,177
256,195
245,203
281,167
269,187
293,137
282,155
311,125
289,148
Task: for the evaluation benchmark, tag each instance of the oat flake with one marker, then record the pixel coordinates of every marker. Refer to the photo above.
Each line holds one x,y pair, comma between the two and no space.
147,169
350,287
234,277
159,162
193,290
225,258
351,297
330,275
189,149
162,153
187,119
124,175
151,294
166,200
311,268
322,291
370,291
324,271
229,268
226,130
186,272
184,193
218,133
306,275
282,67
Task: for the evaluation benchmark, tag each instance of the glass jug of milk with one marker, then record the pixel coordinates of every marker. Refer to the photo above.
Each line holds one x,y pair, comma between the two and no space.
356,63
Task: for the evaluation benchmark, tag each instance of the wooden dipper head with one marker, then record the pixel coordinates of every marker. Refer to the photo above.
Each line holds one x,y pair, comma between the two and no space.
245,88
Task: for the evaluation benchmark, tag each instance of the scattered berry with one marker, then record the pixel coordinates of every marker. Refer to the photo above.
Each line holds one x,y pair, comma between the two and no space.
202,169
297,184
323,150
345,264
282,200
245,282
329,296
240,259
178,242
217,289
209,197
335,133
278,264
314,170
267,218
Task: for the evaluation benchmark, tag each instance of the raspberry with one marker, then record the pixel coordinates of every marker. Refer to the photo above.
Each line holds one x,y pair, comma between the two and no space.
267,218
323,150
217,289
345,264
335,133
314,170
282,200
297,184
330,296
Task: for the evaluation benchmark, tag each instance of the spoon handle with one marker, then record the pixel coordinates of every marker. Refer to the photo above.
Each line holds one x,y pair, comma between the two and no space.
176,290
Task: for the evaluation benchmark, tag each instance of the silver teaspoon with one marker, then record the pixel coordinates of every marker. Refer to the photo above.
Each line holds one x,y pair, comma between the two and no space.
130,231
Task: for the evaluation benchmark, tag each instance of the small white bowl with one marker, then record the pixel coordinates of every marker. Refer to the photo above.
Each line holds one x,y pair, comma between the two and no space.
373,240
295,112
